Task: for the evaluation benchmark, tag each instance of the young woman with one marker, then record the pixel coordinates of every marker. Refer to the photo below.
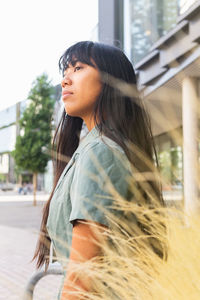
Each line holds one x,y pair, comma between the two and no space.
115,117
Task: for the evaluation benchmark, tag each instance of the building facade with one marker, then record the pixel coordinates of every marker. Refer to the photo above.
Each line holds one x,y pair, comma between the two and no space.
161,38
9,130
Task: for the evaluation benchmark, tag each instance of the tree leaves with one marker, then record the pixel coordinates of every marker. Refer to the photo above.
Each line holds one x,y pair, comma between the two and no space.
36,127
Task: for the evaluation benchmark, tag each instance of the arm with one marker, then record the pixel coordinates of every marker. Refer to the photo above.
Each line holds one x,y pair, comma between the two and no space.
97,167
83,248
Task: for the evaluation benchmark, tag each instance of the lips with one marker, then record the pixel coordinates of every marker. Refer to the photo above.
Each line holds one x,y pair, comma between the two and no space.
66,93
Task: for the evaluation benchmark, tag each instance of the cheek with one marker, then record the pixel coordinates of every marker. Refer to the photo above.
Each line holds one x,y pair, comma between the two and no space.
91,90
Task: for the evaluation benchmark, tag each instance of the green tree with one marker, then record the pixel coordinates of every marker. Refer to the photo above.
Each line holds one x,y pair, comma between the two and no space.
35,130
165,166
174,164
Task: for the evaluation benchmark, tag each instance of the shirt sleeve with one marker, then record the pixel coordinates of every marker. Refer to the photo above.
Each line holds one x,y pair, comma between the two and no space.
101,175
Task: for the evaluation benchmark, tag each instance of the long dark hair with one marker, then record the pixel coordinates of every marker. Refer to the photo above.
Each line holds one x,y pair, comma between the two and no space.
114,109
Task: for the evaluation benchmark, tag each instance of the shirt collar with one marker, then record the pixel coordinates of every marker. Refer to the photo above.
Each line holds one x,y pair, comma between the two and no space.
91,135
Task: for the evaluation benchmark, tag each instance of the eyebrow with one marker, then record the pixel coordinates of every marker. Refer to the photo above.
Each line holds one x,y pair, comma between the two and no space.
73,63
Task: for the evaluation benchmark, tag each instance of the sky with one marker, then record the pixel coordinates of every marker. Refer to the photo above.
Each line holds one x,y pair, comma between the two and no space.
34,34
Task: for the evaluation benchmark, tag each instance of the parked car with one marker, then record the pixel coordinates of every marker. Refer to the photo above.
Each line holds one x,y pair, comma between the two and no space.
7,186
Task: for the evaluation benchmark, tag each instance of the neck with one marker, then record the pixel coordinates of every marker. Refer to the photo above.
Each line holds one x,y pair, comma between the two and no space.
89,123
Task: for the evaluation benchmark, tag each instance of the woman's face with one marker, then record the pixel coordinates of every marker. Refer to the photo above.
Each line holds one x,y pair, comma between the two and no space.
81,86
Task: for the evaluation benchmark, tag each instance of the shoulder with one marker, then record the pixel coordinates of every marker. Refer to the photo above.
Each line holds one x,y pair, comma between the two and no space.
104,151
102,145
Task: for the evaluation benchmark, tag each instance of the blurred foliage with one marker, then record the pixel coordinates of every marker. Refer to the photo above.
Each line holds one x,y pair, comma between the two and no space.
130,270
170,162
2,177
35,127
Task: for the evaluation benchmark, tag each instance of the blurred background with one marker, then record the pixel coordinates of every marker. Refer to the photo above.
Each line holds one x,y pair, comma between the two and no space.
162,40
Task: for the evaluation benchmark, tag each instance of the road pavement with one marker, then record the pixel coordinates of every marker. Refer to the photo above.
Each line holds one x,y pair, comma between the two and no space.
19,227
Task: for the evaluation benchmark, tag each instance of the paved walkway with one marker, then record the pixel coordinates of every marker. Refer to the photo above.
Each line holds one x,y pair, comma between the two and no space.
19,226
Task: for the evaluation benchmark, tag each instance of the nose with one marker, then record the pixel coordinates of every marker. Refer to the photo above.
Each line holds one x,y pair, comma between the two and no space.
66,81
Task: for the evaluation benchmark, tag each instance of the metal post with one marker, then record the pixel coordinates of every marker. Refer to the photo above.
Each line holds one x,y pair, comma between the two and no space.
54,269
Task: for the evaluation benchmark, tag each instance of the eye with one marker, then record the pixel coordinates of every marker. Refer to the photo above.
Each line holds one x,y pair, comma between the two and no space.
77,68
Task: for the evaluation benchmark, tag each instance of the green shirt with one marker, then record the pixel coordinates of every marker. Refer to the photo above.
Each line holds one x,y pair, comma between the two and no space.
82,191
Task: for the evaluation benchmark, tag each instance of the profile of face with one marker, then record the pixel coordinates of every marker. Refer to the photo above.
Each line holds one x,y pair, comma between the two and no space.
81,85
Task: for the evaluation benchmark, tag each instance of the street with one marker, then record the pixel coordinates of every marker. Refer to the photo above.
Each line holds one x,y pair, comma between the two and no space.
19,226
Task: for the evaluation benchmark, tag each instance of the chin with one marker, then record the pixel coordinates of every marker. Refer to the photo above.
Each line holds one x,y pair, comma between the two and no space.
71,113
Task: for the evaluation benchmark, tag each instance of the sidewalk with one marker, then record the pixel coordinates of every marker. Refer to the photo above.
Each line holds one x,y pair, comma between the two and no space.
14,196
19,226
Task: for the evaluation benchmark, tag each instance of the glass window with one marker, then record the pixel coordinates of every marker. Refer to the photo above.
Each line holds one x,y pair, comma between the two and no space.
149,20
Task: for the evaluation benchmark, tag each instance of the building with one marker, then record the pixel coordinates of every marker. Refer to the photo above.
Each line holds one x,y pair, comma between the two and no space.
161,38
9,130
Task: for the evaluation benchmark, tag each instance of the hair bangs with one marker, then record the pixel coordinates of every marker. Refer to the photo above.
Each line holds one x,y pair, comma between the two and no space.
81,51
